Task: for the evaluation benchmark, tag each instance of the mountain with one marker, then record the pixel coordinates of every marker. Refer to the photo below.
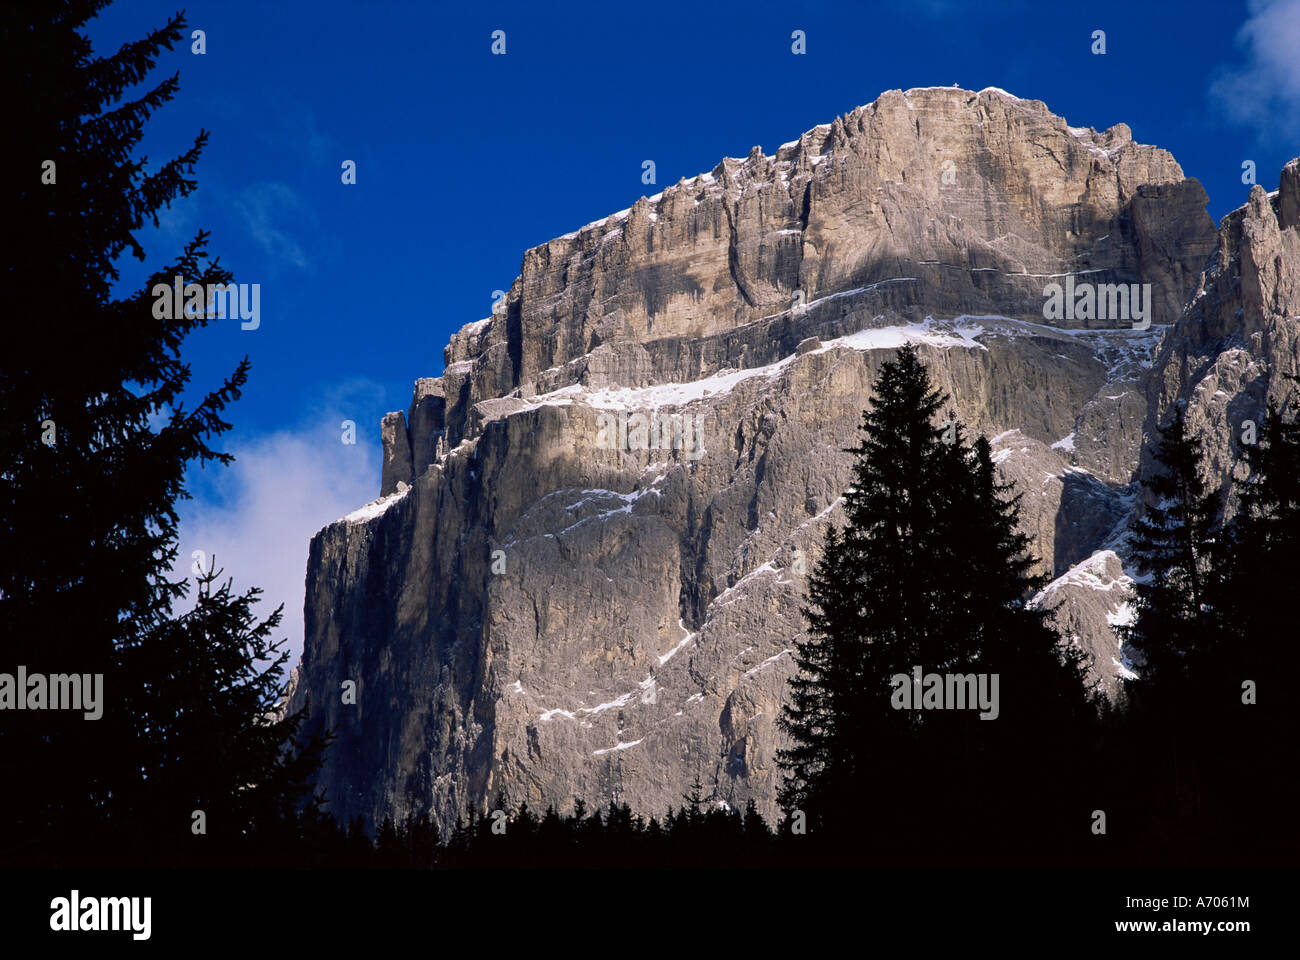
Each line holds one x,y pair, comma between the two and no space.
584,571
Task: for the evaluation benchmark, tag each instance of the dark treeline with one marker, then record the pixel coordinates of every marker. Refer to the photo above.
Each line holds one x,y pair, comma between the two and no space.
193,762
699,834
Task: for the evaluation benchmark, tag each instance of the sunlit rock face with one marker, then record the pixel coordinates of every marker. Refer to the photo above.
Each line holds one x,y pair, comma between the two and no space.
584,573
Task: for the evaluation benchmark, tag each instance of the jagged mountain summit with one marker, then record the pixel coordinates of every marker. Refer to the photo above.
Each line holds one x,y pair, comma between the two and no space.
584,572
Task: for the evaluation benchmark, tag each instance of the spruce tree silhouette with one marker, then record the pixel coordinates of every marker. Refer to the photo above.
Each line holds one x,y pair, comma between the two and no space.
215,682
1035,762
1175,539
88,522
1244,690
1177,548
868,595
930,571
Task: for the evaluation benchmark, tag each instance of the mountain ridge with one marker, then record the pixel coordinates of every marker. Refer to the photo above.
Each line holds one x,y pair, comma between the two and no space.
529,611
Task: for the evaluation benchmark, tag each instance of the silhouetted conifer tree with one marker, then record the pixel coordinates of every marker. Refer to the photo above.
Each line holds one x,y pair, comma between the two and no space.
1178,551
930,571
867,600
208,734
1243,682
95,440
1173,548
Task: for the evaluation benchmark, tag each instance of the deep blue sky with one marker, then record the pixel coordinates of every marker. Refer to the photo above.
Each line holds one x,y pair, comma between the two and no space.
465,159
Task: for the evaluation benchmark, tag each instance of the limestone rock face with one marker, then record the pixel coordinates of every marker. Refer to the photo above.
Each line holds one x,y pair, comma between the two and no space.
397,467
1238,342
584,572
1232,351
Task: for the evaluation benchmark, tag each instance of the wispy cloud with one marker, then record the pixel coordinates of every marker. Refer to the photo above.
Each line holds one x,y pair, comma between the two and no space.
258,516
266,208
1264,91
298,128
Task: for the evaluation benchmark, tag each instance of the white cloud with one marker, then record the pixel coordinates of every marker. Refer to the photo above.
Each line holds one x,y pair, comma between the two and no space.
265,208
257,517
1264,91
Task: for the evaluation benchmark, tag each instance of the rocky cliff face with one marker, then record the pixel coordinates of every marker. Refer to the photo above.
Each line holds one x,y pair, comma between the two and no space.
584,572
1236,346
1233,350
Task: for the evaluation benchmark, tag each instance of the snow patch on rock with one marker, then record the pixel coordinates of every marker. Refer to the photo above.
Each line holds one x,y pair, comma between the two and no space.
374,508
